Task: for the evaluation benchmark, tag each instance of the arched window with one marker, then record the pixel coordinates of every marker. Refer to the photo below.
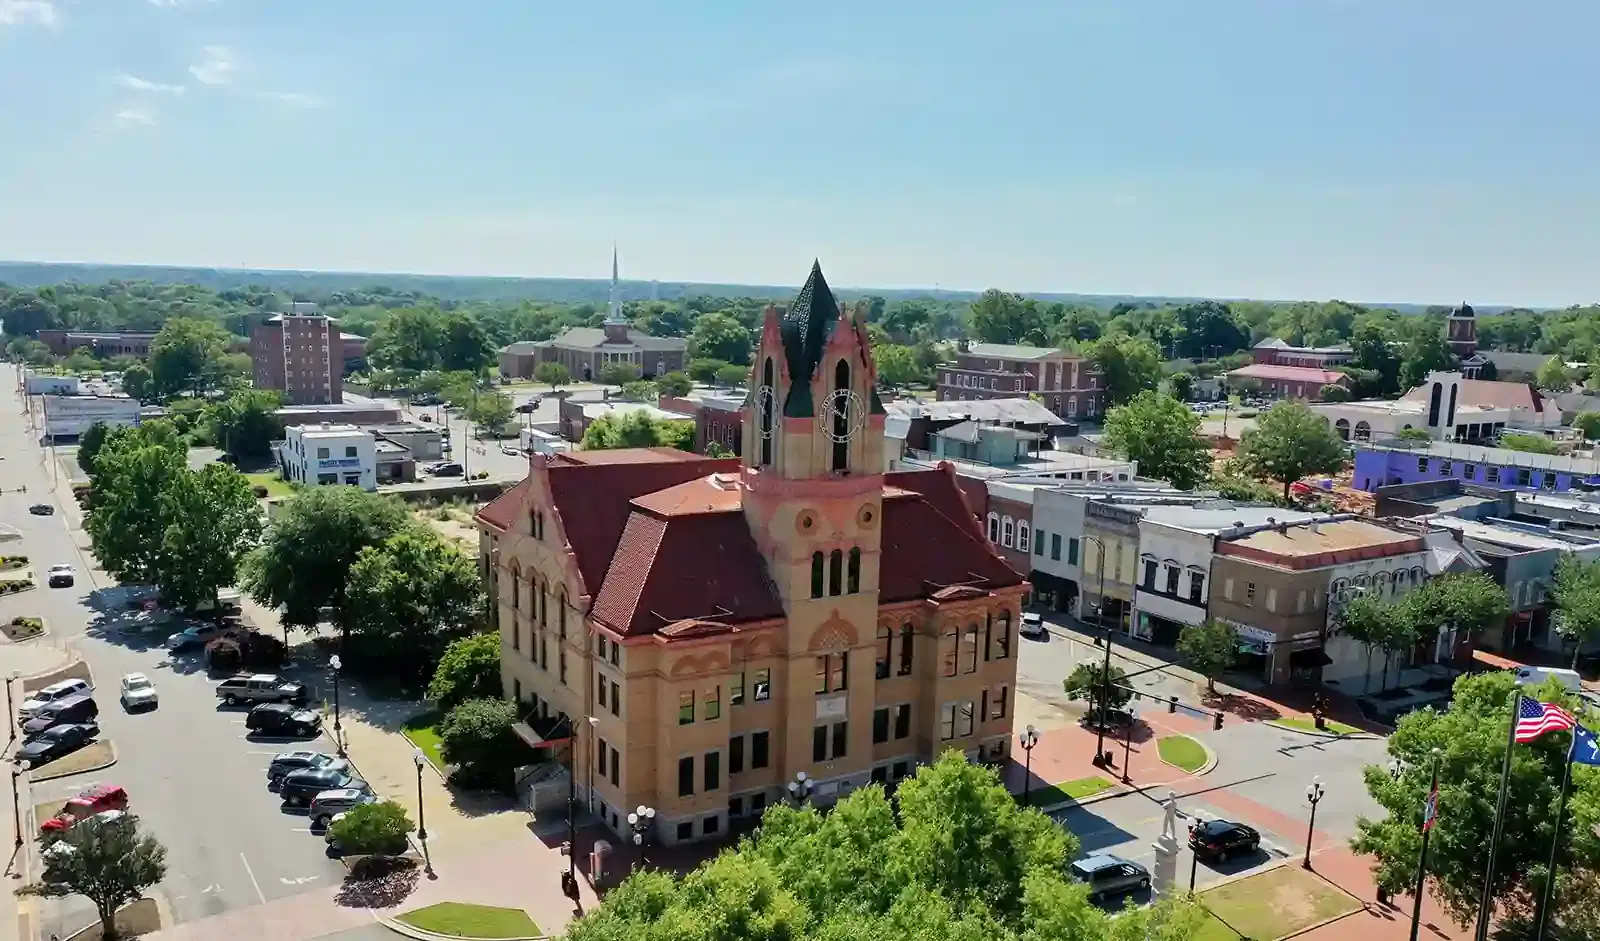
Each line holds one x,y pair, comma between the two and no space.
994,527
1023,533
561,612
947,651
764,401
969,649
841,418
544,602
816,575
1341,588
516,589
885,650
906,633
1006,527
853,576
835,571
1342,426
1363,431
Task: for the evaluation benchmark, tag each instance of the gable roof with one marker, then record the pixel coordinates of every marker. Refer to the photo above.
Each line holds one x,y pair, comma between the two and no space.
924,550
805,329
1014,351
1488,393
1291,374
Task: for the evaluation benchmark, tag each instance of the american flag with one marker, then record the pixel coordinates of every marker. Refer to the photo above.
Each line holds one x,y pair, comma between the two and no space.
1535,718
1430,809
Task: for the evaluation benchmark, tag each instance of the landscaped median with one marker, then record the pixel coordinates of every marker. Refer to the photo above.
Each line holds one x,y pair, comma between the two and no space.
1309,725
1183,752
461,920
1075,790
1274,904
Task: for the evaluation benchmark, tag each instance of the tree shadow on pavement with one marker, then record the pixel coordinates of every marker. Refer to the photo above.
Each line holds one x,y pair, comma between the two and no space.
1245,707
379,882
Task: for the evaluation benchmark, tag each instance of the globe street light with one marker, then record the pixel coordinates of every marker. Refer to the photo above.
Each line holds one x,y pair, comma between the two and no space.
1028,739
800,788
641,820
1314,794
419,759
335,664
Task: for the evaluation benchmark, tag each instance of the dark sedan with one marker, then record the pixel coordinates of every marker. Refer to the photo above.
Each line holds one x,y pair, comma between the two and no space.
299,787
287,763
277,718
1218,839
54,743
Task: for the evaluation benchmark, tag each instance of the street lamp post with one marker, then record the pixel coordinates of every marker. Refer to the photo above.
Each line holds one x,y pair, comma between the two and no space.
642,818
800,788
1105,669
1028,739
335,664
16,807
419,759
11,712
1127,744
1314,795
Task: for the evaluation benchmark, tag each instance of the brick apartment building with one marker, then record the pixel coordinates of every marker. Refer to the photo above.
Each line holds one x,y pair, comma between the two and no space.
1068,385
300,355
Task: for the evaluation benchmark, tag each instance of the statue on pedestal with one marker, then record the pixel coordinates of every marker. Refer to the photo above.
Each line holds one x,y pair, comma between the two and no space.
1166,847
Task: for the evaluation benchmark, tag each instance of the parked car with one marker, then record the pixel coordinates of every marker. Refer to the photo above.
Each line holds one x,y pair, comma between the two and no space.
328,803
446,469
92,801
138,692
58,690
1108,875
61,576
1032,625
286,763
1536,676
54,743
510,451
41,509
299,788
193,636
77,709
1218,839
276,718
263,687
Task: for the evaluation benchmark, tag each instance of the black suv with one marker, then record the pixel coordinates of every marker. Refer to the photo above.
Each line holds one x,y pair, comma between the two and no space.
1219,839
74,709
287,763
276,718
299,787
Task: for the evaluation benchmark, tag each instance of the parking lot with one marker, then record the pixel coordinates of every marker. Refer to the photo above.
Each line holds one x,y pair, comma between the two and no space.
196,781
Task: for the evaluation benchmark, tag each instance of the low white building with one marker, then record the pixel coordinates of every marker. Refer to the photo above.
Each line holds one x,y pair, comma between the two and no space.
69,416
330,454
52,385
1448,407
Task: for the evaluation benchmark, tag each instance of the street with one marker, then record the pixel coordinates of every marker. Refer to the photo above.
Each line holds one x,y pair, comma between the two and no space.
192,777
486,455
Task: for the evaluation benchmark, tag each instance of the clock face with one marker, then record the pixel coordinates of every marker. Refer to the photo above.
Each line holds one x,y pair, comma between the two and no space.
842,415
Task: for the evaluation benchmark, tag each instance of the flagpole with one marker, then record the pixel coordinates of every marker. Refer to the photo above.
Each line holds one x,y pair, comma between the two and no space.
1547,897
1430,814
1486,901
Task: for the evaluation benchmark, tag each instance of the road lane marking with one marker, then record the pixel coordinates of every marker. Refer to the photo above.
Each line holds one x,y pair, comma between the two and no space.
252,874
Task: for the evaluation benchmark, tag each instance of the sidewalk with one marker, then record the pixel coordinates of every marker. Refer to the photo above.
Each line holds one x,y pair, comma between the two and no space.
1353,873
1066,753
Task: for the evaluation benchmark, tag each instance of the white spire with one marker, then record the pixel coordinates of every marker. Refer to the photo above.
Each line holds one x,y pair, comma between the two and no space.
615,316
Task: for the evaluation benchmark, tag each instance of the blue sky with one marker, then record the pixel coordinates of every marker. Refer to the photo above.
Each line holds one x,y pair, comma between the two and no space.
1407,150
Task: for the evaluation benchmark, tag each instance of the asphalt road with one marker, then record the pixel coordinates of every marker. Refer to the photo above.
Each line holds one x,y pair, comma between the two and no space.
196,782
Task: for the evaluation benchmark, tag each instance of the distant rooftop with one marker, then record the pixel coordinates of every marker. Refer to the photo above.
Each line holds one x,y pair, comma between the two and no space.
1020,411
328,429
1012,351
1503,457
1273,343
1514,535
1218,516
1311,545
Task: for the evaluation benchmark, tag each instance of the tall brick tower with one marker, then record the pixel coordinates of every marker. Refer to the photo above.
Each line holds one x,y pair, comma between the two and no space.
1461,334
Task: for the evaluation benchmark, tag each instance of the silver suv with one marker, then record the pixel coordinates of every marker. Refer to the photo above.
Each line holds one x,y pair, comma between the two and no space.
263,687
328,804
1108,875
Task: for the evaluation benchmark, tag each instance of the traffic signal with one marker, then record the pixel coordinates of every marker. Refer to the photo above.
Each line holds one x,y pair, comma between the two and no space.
1216,723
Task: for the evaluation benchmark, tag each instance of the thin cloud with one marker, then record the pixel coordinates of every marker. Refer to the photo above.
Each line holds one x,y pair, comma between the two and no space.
217,67
132,117
141,84
295,99
26,12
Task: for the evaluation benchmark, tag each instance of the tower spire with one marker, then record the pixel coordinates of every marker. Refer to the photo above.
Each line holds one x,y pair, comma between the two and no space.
615,313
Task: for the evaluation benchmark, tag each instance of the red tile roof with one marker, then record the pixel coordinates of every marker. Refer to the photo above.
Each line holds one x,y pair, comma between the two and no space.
953,495
713,493
625,456
1486,393
1290,374
502,510
925,550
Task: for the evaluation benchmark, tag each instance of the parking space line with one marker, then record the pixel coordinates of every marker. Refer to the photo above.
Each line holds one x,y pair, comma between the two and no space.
252,874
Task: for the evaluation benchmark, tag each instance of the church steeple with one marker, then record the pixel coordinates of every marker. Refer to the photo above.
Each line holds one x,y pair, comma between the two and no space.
614,315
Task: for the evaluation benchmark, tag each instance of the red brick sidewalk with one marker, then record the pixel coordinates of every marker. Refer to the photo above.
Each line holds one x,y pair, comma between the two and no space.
1353,873
1067,754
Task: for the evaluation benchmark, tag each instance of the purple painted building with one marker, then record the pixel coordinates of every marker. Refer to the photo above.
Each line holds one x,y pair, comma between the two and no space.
1379,465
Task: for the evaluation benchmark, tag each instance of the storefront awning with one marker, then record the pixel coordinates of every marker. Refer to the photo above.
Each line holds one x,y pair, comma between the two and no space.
543,732
1304,659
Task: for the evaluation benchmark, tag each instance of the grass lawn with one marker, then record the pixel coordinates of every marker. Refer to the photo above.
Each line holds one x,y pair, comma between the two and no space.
472,921
420,730
1213,930
1183,751
1308,725
1275,903
276,487
1068,790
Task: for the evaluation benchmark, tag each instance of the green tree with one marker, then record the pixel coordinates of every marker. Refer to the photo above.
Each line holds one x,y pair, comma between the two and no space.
640,390
213,520
186,357
1469,737
1413,434
81,361
410,596
1128,365
554,375
637,429
1372,622
1289,442
375,829
1163,436
1000,317
1087,681
1588,424
465,345
1334,393
618,374
409,338
1576,593
1425,353
246,423
898,365
1370,343
705,370
719,336
304,561
134,471
674,384
469,669
476,736
89,445
734,377
1553,376
491,412
1180,385
107,862
1211,649
715,449
1531,443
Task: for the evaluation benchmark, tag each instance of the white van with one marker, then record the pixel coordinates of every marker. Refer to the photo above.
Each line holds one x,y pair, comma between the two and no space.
1535,676
50,694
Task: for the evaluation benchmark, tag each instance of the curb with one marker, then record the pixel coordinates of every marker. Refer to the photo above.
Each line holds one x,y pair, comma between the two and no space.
37,778
1325,736
1209,766
411,931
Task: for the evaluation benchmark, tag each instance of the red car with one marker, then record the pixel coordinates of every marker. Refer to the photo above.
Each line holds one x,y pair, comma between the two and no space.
95,800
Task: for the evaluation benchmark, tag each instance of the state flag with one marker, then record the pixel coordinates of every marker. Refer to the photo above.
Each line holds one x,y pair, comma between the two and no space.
1585,747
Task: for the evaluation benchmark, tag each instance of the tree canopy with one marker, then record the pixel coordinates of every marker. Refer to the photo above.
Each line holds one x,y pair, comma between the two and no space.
638,429
1289,442
1163,436
409,596
1128,365
108,862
